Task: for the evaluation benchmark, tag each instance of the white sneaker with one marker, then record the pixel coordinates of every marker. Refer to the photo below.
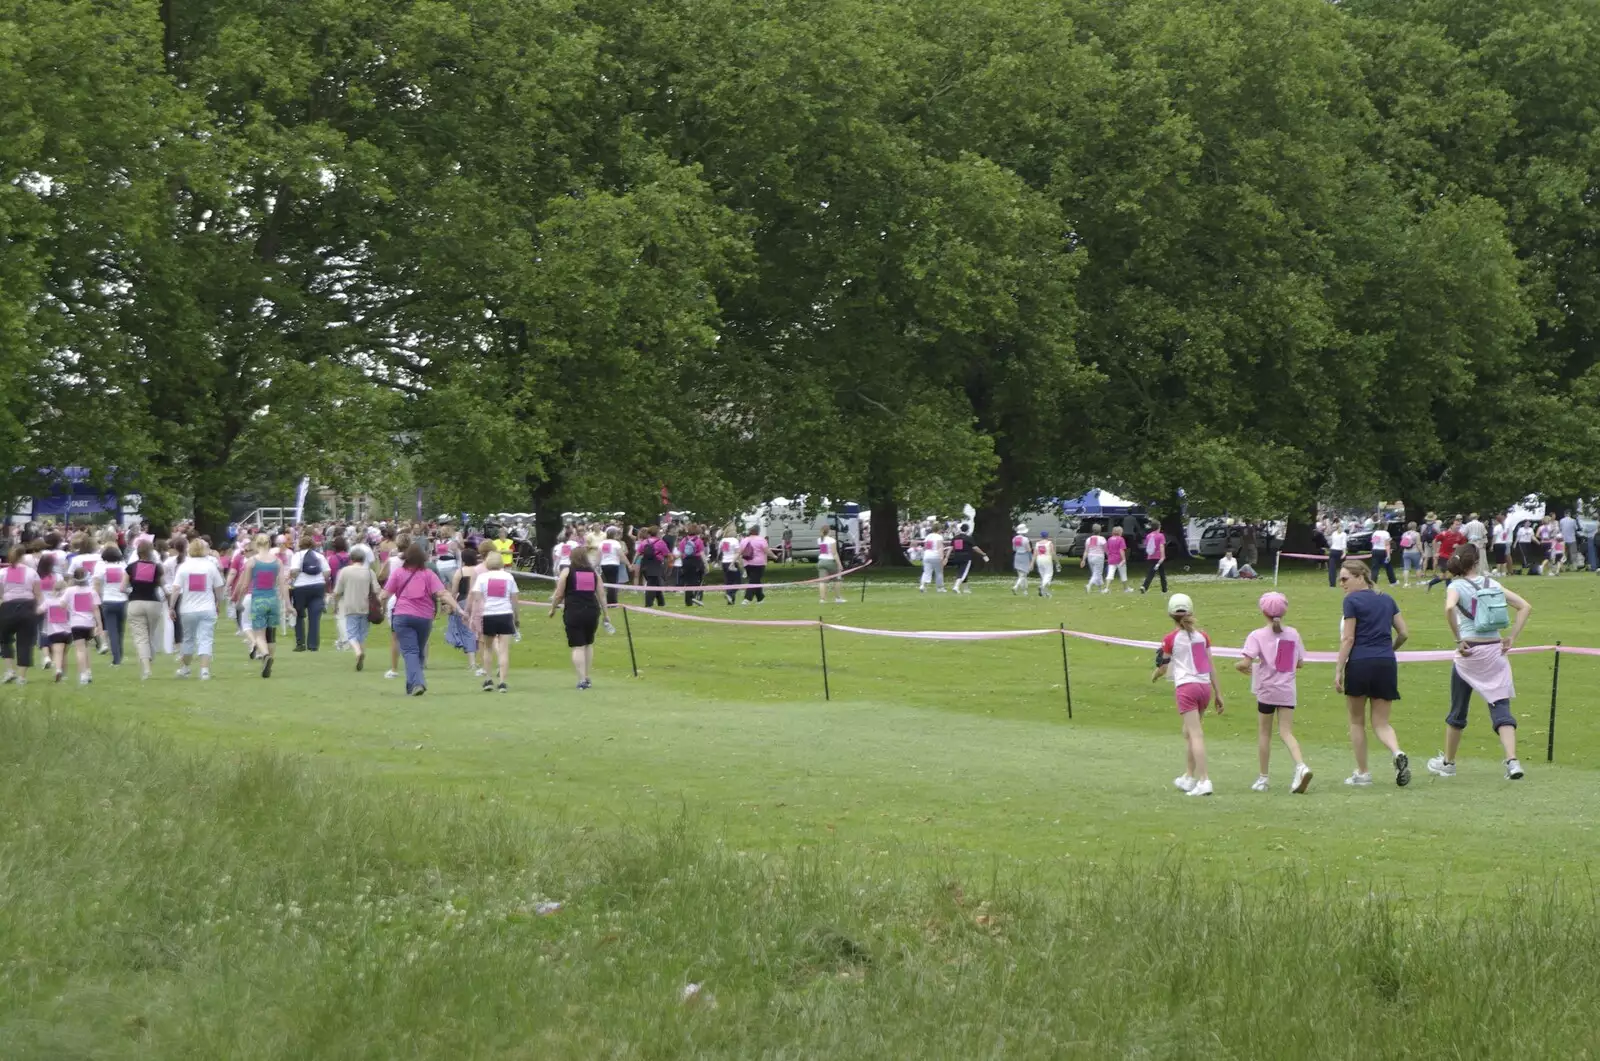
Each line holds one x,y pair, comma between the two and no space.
1201,788
183,672
1302,779
1358,778
1184,783
1260,785
10,677
205,675
84,679
944,591
1513,770
1437,765
478,672
391,675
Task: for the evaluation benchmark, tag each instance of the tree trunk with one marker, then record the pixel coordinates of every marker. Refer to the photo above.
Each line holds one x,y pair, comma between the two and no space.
884,549
546,521
993,529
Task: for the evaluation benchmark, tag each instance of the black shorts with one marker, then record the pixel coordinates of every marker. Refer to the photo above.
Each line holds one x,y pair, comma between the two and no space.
1377,679
581,628
58,639
499,626
1269,709
1500,553
82,633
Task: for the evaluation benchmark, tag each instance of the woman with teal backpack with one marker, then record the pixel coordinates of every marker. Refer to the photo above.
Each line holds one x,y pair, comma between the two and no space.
1479,611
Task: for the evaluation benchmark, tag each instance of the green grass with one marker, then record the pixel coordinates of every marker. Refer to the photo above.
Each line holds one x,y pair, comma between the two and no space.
935,863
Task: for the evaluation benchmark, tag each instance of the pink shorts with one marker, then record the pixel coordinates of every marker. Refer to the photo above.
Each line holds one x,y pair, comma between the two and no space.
1192,697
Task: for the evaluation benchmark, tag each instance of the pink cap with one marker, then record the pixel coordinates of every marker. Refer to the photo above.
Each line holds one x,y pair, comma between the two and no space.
1273,605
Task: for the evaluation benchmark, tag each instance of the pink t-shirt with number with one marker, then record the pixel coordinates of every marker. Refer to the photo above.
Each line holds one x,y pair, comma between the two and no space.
754,549
1277,657
413,592
17,582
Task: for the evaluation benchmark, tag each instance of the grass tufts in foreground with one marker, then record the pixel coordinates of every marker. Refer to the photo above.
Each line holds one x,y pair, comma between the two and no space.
160,905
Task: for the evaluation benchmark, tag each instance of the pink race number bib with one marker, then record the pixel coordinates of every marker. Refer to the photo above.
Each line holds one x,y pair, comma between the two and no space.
83,603
113,575
16,575
144,572
1284,663
58,614
198,583
1202,657
497,587
263,580
583,580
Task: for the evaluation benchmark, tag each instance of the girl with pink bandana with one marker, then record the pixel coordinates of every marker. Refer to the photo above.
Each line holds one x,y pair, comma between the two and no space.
1272,654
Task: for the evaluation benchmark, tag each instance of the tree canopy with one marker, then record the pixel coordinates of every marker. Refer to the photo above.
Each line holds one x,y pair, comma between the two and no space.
555,254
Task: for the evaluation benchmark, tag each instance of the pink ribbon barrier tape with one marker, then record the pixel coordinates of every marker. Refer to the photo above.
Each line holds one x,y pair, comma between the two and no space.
942,635
664,614
710,587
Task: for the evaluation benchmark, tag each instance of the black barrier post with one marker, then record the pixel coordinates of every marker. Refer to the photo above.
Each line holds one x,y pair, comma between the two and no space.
629,628
1555,683
1066,675
863,585
822,637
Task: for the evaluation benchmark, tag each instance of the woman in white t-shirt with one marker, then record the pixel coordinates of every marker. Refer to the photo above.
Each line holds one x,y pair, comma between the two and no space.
111,586
828,566
932,561
493,607
195,592
1094,558
728,557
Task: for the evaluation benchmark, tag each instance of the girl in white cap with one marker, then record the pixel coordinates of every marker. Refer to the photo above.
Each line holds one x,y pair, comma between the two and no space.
1272,654
1021,558
1186,655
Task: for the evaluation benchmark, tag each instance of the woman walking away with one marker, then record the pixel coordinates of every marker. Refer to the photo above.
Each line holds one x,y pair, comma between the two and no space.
933,558
1044,558
494,614
1368,671
728,557
1337,540
692,548
1382,552
653,557
614,561
753,551
1478,610
962,551
578,595
111,586
1021,558
1094,558
1186,654
459,631
1272,654
828,566
354,587
1117,559
417,593
338,557
83,619
20,600
1411,554
309,594
197,592
1155,555
147,616
264,581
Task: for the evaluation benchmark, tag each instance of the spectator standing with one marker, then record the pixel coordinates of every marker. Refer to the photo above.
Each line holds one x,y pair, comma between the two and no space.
1337,540
1155,554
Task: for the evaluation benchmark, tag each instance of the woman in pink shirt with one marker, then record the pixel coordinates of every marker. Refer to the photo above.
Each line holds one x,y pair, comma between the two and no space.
1117,560
1272,654
417,593
753,550
20,600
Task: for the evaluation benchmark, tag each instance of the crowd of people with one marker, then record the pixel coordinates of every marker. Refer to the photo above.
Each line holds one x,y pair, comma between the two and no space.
1548,545
1485,620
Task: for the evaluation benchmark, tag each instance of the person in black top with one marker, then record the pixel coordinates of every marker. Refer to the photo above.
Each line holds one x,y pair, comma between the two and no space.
962,550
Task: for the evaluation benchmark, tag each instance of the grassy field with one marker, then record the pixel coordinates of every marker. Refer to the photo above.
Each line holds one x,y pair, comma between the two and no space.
936,862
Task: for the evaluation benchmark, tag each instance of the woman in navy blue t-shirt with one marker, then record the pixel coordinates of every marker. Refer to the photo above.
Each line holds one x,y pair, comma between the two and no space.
1368,671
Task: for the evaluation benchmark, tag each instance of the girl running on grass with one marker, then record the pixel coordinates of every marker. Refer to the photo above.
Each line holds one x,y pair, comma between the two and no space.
1186,653
1272,654
1367,672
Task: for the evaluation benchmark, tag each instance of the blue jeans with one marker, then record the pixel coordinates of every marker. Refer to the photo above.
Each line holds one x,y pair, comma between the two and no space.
114,617
411,634
1593,566
308,604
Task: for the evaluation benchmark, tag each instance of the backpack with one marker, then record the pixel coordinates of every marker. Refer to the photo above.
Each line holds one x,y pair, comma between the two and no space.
690,547
660,550
1489,611
311,563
